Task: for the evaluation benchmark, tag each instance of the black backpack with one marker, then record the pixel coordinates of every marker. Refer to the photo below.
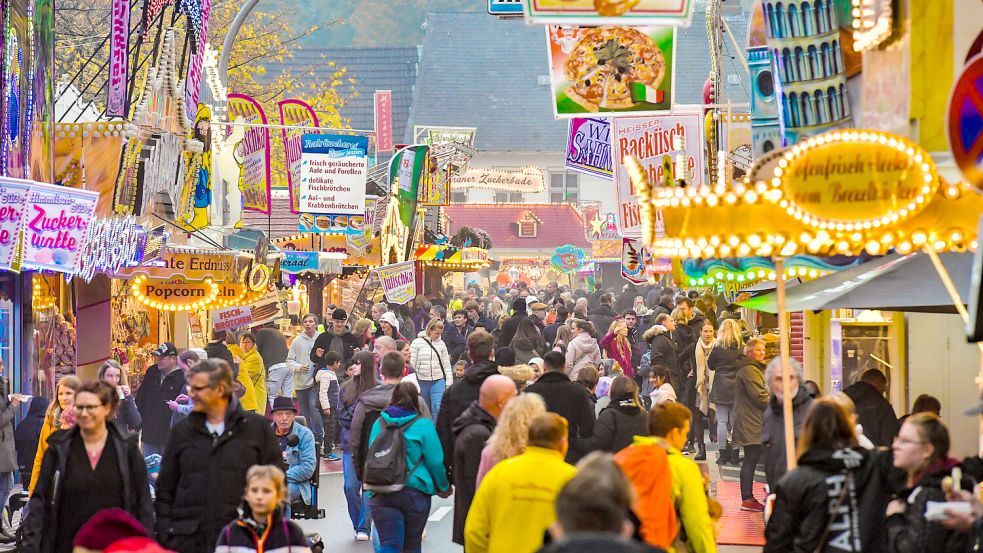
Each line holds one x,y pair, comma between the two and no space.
385,461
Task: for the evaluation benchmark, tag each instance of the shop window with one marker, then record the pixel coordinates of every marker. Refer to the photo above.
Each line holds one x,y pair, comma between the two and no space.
459,196
564,188
528,225
503,197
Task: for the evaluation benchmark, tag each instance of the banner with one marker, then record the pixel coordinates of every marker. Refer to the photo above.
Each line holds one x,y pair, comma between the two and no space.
593,12
653,141
55,223
408,168
435,184
295,263
527,179
567,258
740,152
589,147
435,135
333,171
398,281
600,226
634,258
631,72
295,113
13,195
191,265
331,224
383,103
196,57
231,317
252,153
118,59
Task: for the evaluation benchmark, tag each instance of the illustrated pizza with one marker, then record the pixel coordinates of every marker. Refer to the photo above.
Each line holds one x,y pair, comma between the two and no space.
606,61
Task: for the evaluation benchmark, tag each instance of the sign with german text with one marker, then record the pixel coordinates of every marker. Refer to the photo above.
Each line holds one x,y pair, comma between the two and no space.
118,59
611,12
398,281
383,120
295,113
231,317
654,141
527,179
589,147
13,194
55,223
332,174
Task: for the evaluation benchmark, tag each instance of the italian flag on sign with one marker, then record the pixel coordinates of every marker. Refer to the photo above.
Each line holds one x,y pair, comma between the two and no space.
642,93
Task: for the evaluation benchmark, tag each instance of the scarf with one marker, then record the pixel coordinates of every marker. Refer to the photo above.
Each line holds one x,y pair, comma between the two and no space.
704,378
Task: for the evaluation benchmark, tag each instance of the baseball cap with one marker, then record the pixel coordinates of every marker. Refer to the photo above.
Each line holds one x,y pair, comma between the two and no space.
339,314
167,348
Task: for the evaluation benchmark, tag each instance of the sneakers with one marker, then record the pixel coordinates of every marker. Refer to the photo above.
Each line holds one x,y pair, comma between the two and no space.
753,506
362,536
332,457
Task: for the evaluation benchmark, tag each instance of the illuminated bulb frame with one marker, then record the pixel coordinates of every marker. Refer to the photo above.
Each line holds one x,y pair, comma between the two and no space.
870,28
204,303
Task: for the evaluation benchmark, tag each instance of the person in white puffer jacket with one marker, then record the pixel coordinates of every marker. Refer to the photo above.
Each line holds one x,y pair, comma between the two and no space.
432,363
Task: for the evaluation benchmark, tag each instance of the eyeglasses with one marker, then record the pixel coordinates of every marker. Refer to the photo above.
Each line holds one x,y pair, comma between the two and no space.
198,389
906,441
87,407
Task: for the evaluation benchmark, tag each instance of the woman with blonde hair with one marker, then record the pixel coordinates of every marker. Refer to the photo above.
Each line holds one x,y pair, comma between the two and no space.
724,361
522,375
60,416
511,434
616,346
562,339
362,331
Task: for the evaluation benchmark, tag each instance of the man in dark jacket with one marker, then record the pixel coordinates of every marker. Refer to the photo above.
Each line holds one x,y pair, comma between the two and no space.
662,348
456,334
638,345
471,430
773,435
519,312
459,397
569,400
475,317
337,338
162,382
603,315
549,333
203,473
216,349
665,307
874,412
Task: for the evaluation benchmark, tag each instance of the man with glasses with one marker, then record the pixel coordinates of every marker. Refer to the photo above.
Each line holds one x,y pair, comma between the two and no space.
162,383
204,468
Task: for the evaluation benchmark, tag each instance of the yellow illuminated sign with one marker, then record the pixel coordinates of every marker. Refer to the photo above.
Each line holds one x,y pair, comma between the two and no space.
174,294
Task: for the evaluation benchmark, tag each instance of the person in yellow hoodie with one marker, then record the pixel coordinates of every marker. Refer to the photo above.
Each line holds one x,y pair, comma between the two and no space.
516,501
252,375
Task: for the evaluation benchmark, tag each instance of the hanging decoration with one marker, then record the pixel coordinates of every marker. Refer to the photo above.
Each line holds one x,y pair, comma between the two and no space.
110,245
56,220
568,259
151,9
198,15
196,196
252,153
118,59
295,113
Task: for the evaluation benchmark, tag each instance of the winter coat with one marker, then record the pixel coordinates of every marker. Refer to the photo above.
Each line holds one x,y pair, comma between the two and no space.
202,478
345,413
301,461
773,434
423,449
127,416
328,390
48,427
277,535
602,317
367,409
516,502
662,349
38,527
152,398
614,350
456,400
549,333
253,369
471,430
567,399
347,347
750,400
431,359
618,424
8,451
874,413
582,351
26,437
806,496
299,358
509,328
724,362
909,532
272,346
456,340
638,346
528,345
645,463
218,350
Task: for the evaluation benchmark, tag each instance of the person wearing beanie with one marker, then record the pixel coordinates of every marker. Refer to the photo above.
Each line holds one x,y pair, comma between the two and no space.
106,528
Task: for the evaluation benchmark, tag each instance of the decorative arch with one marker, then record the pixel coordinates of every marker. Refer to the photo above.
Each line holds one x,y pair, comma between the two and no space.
844,102
824,60
808,116
786,66
799,64
837,56
770,19
822,23
793,20
793,108
819,103
785,110
780,20
813,61
808,26
834,104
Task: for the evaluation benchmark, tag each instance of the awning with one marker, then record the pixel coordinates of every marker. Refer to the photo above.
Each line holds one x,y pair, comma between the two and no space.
892,283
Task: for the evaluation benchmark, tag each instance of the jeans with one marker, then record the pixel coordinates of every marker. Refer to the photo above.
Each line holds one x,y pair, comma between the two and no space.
432,391
400,518
358,504
279,382
6,484
724,424
752,455
310,408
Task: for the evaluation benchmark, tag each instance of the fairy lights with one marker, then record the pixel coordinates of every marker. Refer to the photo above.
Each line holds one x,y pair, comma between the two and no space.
872,21
174,295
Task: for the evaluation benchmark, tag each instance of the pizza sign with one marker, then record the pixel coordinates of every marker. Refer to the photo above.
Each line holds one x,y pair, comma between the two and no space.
611,69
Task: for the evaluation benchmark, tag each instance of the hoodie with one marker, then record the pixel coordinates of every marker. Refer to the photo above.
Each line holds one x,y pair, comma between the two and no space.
456,400
471,430
299,358
806,496
582,351
618,424
368,406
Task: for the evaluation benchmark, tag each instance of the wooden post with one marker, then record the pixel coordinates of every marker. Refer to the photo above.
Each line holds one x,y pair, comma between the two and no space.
783,348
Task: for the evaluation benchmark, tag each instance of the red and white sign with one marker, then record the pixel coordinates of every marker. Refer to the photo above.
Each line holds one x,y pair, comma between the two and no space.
231,317
651,140
383,121
118,59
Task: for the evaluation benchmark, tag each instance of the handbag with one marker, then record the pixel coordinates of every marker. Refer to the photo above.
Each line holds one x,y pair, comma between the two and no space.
443,373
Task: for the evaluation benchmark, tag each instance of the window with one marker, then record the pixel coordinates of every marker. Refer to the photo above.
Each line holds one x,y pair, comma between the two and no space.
564,188
527,225
459,196
503,197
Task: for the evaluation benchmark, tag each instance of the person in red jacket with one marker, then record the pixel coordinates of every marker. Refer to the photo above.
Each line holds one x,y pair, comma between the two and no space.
616,346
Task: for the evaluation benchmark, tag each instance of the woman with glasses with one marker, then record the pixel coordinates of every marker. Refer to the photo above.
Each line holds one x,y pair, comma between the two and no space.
432,362
921,449
86,469
361,375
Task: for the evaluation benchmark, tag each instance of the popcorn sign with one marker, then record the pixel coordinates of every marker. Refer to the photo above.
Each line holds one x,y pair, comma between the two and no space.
55,220
13,194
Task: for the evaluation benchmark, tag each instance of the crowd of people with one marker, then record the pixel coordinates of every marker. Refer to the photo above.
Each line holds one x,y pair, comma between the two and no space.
558,420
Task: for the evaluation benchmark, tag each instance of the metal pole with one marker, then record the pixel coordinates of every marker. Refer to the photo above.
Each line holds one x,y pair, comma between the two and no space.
223,61
286,127
783,347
